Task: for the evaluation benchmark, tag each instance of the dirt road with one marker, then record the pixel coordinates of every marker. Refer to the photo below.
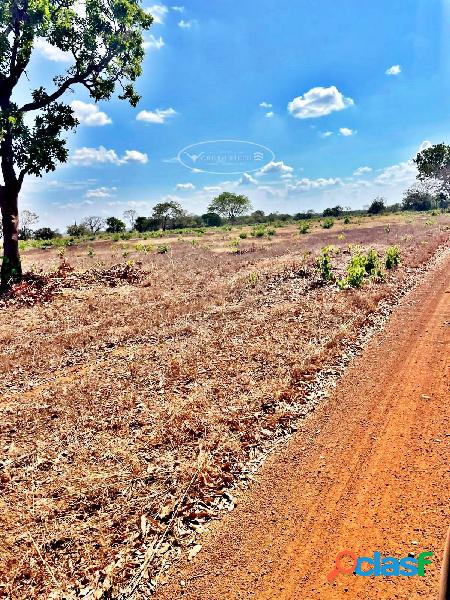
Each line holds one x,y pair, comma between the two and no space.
369,470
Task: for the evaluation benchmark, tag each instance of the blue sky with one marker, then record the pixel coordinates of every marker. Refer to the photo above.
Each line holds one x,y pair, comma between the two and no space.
343,93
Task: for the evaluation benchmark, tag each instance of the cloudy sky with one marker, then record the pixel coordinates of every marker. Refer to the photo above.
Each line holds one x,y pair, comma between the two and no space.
341,93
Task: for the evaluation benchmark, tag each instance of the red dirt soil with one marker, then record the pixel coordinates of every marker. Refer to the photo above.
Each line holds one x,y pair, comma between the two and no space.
367,471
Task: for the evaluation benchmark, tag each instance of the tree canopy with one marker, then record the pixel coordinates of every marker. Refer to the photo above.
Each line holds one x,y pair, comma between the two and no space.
433,165
104,41
230,205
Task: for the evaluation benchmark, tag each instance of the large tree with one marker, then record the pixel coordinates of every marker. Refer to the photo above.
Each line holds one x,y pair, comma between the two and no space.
433,165
104,39
230,205
167,212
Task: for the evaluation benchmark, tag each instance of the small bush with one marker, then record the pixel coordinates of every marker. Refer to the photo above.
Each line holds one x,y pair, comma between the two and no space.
356,272
347,220
304,227
373,265
392,258
163,249
327,223
324,264
258,231
270,231
243,235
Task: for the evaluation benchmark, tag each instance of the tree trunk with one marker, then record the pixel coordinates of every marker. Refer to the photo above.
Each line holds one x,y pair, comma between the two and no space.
11,266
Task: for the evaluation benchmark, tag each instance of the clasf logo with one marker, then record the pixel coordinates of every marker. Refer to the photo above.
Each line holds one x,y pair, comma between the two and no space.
378,565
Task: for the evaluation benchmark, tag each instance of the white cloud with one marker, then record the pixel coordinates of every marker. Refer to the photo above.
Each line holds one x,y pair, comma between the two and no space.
275,167
212,188
247,179
265,105
92,156
269,114
401,174
325,134
158,116
158,12
394,70
52,52
318,102
346,132
101,192
305,184
186,24
362,171
135,156
179,9
154,43
185,186
89,114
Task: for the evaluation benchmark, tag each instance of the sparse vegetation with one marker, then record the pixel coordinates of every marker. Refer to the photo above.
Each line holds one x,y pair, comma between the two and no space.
327,223
123,387
392,258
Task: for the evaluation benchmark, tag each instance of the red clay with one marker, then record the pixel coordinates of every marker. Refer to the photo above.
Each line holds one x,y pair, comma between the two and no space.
367,471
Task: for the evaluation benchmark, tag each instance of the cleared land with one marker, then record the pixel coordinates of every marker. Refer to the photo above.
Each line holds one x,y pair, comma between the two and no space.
367,471
135,397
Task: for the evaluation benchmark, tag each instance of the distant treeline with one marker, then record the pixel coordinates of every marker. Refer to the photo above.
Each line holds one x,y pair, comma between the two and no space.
171,216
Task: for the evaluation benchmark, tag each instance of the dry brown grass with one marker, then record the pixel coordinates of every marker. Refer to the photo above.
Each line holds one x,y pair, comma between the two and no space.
109,395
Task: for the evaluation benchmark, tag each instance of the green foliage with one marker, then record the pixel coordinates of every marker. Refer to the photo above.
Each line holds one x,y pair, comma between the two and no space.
230,205
433,164
253,279
258,231
114,225
90,252
324,264
347,221
304,227
45,233
142,248
163,249
356,272
212,219
327,223
243,235
417,199
373,265
167,213
336,211
77,231
107,48
378,206
270,231
392,258
105,43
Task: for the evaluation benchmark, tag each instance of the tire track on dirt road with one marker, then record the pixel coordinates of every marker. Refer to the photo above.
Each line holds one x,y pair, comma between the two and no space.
369,470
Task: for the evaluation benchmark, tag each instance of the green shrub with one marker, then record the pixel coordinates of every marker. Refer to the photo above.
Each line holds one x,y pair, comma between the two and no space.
324,264
392,258
270,231
327,223
304,227
374,268
163,249
258,231
243,235
347,220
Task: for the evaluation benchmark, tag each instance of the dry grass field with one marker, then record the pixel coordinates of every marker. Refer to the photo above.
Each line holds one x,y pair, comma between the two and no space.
130,406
